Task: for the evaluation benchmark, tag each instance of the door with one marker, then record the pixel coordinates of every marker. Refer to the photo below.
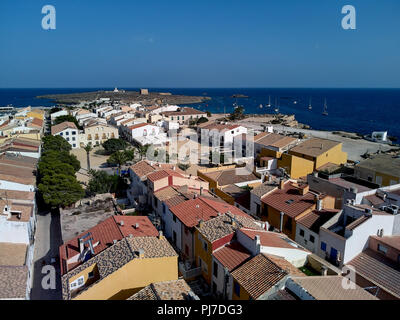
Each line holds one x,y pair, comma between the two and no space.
333,254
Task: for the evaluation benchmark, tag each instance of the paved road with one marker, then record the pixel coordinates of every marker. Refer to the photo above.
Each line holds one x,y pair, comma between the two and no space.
47,242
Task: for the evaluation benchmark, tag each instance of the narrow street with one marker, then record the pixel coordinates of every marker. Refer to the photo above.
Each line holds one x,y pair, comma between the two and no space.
48,240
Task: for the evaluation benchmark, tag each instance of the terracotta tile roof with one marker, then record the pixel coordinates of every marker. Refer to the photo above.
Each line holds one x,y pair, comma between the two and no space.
138,125
224,225
232,255
138,226
175,200
258,275
202,208
274,140
13,282
37,122
315,219
24,209
166,193
271,239
142,168
161,174
314,147
225,177
12,254
264,188
17,195
331,288
105,233
379,270
12,178
62,126
18,161
168,290
289,200
116,256
374,200
220,127
285,265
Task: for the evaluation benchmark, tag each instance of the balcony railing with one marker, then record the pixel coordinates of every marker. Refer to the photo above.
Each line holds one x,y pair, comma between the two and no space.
189,273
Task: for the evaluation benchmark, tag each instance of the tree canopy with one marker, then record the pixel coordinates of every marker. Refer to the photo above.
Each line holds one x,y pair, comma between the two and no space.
237,114
113,145
56,143
60,190
202,120
102,182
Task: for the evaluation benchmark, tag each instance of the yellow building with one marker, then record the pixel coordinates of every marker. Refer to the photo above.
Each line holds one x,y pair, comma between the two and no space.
320,152
36,113
288,203
121,270
383,169
213,234
218,178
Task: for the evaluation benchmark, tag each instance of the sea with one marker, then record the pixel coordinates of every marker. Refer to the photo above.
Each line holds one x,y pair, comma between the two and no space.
353,110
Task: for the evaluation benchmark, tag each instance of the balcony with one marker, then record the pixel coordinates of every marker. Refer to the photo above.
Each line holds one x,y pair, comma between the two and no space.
188,273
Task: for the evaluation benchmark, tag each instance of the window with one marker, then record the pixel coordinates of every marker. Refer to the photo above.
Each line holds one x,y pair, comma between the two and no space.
312,239
237,289
67,133
67,139
73,132
302,233
382,249
215,271
91,275
205,246
323,246
163,208
74,145
174,218
61,133
73,138
77,283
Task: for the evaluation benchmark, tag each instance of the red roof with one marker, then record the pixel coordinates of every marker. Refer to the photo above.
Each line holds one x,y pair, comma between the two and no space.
139,125
161,174
104,234
201,208
232,255
289,200
269,239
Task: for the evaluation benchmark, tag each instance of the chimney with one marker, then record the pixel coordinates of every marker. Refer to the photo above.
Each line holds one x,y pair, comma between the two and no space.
141,253
324,271
319,205
201,223
136,225
160,235
281,225
81,245
281,183
115,241
121,223
201,190
258,243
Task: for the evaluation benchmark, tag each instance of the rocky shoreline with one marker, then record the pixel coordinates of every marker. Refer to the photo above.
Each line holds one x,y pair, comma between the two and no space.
125,97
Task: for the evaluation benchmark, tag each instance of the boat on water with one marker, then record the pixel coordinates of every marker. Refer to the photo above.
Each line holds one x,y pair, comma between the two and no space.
325,112
261,106
295,102
309,105
276,106
269,102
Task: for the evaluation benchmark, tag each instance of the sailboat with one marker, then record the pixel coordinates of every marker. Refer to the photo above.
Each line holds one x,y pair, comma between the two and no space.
309,105
276,106
261,106
325,112
269,102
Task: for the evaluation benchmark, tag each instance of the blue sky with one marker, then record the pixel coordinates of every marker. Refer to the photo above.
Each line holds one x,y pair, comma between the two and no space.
195,43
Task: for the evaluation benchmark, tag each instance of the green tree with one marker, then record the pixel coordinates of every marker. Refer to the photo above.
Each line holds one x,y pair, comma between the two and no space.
183,166
101,182
60,190
56,143
208,114
202,120
119,158
237,114
88,148
143,150
113,145
47,168
54,110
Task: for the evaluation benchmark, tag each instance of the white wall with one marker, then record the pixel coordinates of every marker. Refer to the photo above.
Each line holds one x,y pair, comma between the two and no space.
8,185
69,134
305,240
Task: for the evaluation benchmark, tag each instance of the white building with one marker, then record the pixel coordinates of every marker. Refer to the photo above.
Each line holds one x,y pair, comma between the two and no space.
346,234
68,131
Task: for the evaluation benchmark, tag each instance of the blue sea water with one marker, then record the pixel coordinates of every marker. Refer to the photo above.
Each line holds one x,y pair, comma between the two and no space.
355,110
